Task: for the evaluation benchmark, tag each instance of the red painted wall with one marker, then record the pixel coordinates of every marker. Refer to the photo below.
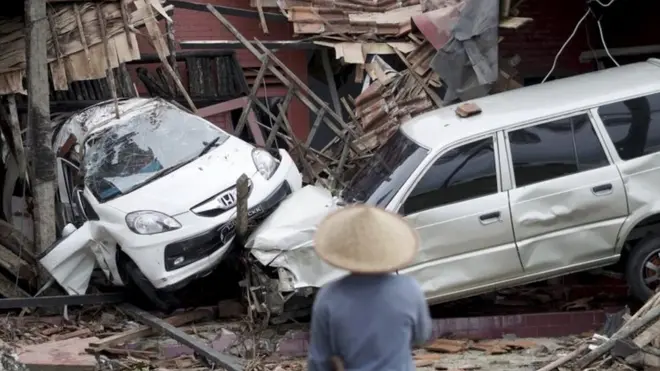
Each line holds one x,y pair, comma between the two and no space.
192,25
625,23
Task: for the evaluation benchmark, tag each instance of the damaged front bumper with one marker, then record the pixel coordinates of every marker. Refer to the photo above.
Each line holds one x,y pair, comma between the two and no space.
286,264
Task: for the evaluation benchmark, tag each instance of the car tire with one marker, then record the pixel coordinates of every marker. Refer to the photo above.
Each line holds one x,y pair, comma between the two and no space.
138,284
642,253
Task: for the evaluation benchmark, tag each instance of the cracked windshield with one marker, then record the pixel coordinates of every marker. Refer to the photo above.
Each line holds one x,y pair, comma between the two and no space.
142,146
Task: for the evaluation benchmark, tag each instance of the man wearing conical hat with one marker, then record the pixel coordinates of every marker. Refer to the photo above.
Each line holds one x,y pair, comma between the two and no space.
370,319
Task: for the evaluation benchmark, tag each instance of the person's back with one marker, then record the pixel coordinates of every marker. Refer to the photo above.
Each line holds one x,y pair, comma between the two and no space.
370,322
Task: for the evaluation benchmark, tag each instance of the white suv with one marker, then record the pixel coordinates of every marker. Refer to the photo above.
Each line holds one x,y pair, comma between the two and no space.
547,180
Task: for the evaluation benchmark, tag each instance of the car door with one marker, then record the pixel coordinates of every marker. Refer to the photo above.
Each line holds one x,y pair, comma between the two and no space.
66,173
463,219
568,201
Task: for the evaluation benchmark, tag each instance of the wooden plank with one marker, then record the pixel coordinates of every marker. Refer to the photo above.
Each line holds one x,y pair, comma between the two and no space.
58,71
21,158
109,73
144,331
228,362
242,193
278,123
262,19
125,18
252,96
154,31
302,88
330,78
315,126
9,288
223,107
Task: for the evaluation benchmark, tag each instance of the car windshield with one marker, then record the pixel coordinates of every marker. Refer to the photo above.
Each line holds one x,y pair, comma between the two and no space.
143,146
385,172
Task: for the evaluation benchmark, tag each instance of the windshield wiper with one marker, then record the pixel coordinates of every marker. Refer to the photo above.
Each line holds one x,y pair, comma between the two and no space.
208,146
159,174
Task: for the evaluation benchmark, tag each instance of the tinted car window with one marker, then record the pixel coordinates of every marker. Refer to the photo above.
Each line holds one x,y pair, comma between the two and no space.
555,149
461,174
633,125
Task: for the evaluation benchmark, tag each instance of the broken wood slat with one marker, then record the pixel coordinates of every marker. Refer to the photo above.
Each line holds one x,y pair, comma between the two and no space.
252,96
169,33
275,128
565,359
310,94
242,193
624,332
228,362
330,77
262,18
315,126
303,92
648,335
106,47
10,289
144,331
153,29
297,145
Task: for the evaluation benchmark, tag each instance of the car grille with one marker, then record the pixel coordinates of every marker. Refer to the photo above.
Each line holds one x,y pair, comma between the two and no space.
205,244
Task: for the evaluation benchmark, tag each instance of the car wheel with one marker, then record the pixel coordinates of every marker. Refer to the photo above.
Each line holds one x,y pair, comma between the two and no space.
139,285
643,268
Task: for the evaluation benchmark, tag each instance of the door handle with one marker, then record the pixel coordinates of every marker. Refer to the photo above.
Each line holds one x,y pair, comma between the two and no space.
602,189
490,217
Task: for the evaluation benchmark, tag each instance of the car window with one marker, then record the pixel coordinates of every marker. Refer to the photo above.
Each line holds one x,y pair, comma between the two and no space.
633,125
460,174
555,149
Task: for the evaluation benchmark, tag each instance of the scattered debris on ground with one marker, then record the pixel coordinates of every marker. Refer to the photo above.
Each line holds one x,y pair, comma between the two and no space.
629,342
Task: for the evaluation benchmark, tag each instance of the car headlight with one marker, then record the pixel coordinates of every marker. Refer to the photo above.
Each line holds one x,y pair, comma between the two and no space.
266,164
150,222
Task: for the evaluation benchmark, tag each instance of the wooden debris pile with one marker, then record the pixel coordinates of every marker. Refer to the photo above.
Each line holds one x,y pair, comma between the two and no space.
378,18
635,345
390,100
92,338
85,40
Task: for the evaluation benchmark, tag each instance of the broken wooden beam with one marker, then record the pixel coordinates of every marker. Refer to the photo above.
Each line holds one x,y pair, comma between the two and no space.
627,330
217,359
144,331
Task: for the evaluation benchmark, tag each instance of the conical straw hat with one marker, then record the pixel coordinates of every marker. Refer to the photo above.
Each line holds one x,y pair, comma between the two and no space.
365,239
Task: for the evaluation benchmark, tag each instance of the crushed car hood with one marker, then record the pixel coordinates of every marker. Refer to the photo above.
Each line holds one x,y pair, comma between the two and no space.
177,192
285,239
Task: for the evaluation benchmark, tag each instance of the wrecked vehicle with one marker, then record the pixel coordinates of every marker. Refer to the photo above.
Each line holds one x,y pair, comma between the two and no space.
539,182
153,201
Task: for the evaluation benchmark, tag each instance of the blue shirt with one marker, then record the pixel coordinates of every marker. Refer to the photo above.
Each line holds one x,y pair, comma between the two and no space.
371,322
